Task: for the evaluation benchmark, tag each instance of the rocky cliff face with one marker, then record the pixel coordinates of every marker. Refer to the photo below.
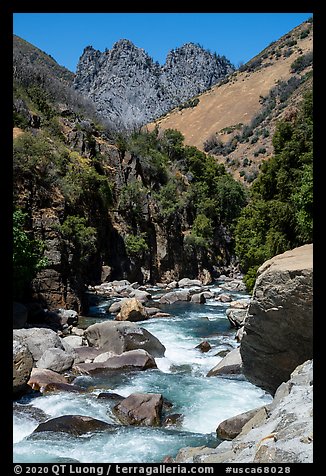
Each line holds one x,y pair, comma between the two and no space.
278,329
129,88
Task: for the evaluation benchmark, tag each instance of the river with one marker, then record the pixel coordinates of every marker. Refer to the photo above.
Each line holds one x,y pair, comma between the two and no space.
180,377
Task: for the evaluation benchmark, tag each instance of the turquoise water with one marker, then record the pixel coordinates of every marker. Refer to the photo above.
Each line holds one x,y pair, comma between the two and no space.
180,378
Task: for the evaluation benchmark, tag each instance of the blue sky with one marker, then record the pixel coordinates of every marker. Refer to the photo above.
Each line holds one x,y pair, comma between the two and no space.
238,36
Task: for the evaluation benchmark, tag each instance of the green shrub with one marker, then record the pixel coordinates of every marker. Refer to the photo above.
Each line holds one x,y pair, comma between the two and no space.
28,256
83,238
136,246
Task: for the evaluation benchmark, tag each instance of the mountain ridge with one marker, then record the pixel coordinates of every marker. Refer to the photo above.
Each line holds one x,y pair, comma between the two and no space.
128,86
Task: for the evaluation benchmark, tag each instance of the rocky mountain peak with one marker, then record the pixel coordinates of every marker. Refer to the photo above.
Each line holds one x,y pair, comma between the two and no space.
130,89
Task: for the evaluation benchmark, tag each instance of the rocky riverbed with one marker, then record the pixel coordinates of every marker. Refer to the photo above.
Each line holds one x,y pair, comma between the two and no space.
162,368
109,379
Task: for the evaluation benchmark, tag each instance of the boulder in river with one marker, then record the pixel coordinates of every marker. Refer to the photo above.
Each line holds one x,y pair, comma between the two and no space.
204,346
187,282
55,359
278,332
230,364
198,298
131,360
22,366
120,337
143,409
140,295
174,296
132,310
40,378
74,425
38,340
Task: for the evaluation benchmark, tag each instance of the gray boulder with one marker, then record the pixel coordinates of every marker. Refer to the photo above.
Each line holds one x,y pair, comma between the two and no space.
236,317
38,340
22,366
186,282
174,296
116,306
140,295
230,364
120,337
130,360
55,359
143,409
198,298
278,332
73,341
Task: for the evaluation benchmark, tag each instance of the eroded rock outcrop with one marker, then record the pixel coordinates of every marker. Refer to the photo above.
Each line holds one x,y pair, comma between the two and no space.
278,333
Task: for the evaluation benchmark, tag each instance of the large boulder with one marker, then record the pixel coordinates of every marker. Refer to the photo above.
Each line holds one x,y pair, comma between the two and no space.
230,364
143,409
55,359
120,337
41,378
130,360
74,425
38,340
187,282
22,366
132,310
198,298
174,296
278,331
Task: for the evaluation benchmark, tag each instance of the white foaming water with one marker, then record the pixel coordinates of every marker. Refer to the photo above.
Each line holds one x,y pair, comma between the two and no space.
180,377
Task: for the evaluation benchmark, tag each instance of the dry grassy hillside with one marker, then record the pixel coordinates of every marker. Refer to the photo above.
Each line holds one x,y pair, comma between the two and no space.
224,110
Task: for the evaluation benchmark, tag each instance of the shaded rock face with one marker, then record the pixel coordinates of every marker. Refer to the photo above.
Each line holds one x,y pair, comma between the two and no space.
143,409
19,315
74,425
129,88
278,329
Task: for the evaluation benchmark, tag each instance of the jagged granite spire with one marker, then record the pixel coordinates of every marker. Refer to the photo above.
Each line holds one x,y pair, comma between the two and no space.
130,89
